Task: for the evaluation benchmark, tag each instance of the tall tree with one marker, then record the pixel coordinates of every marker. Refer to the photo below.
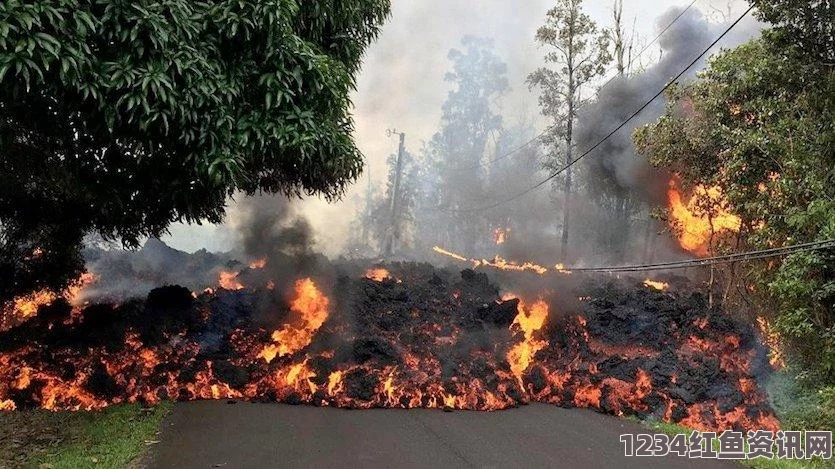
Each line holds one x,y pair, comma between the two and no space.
759,125
577,52
123,116
456,151
618,35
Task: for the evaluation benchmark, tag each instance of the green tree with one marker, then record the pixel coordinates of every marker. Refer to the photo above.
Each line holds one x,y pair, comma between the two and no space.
759,124
579,51
119,117
455,153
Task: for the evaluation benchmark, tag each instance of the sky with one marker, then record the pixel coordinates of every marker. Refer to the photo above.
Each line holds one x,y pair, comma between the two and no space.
401,86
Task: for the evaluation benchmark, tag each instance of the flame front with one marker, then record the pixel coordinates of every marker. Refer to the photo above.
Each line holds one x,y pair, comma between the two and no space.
377,274
527,321
411,353
694,225
311,310
501,263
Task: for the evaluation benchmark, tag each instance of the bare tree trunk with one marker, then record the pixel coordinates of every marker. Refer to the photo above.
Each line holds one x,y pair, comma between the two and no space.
566,211
617,13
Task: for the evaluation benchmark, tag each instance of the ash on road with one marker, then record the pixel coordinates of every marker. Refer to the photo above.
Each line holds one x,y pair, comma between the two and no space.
211,434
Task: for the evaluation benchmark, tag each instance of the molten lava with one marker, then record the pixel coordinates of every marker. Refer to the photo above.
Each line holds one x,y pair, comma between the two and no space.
695,225
27,306
430,341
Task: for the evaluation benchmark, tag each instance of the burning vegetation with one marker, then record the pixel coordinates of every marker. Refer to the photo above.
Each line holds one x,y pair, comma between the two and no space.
700,217
430,339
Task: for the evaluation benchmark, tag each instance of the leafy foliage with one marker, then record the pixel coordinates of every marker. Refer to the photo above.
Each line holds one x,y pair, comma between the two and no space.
123,116
456,151
759,124
577,53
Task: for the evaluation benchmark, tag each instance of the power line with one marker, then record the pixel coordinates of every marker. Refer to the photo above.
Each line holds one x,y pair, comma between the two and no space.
612,132
743,256
551,127
723,259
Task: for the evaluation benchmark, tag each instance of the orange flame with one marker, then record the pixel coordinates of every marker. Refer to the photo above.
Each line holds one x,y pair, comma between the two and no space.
656,284
27,306
500,235
528,320
694,224
501,263
311,308
772,340
377,274
443,251
229,280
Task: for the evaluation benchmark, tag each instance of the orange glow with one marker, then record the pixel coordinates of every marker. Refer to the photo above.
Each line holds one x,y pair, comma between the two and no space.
75,292
443,251
229,280
377,274
772,340
500,235
497,262
528,320
561,269
27,306
311,310
656,284
503,264
692,221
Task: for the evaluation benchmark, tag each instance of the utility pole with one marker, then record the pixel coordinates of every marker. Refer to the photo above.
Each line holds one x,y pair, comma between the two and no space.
392,231
367,217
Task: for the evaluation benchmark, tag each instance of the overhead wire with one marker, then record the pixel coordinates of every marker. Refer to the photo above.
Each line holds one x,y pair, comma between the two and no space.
608,135
723,259
553,126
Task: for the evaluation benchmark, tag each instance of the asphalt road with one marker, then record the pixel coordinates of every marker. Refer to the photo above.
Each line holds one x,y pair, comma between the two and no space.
214,434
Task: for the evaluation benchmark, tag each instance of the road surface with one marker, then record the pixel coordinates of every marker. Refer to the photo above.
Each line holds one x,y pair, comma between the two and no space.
215,434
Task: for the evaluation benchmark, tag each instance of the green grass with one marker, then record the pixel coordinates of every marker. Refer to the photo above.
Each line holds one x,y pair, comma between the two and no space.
110,438
759,463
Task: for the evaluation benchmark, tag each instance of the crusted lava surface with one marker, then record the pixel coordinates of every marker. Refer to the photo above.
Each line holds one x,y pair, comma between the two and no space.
407,335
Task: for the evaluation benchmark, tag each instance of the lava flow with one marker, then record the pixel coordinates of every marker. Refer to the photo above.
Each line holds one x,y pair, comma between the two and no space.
432,339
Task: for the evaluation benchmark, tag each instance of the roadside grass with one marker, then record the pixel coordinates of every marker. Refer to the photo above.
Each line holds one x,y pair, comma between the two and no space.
759,463
109,438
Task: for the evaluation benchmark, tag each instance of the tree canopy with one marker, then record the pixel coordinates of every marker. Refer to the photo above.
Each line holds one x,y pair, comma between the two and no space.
455,153
120,117
758,123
